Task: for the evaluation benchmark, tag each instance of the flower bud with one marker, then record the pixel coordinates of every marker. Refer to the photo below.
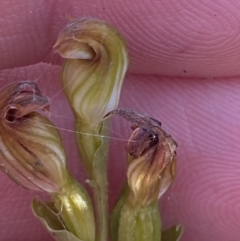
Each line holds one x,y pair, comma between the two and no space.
96,64
31,151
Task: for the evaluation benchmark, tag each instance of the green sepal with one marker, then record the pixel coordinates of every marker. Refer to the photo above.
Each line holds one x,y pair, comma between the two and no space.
173,233
76,210
49,217
137,223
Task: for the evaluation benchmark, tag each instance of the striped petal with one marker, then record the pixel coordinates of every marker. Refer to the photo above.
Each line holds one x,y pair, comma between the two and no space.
31,151
96,63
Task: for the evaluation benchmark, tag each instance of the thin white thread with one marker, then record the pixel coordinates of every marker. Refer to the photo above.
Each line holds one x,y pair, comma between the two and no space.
82,133
69,118
52,99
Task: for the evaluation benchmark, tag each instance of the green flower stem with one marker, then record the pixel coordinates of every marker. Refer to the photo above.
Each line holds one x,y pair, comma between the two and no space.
93,146
75,208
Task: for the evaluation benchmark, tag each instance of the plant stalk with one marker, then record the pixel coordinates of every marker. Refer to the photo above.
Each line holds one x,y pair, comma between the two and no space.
93,146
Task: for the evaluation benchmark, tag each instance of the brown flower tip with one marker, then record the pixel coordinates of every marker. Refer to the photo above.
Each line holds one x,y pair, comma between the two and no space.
20,99
151,153
31,152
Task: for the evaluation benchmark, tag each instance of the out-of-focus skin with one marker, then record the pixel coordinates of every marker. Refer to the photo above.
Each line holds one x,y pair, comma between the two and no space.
190,43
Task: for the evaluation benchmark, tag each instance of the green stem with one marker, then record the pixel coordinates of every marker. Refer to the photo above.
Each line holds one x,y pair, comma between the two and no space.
100,199
93,146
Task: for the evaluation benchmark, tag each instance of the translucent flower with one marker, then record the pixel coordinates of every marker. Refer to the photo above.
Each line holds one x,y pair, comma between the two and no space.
92,77
96,63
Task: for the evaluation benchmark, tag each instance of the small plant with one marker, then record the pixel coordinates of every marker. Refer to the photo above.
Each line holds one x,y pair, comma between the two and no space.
32,153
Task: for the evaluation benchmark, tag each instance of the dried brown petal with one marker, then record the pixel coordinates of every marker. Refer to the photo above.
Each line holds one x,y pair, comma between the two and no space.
31,152
151,157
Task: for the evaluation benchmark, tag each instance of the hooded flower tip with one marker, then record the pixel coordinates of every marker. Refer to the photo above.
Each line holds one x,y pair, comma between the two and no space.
31,152
151,157
96,63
